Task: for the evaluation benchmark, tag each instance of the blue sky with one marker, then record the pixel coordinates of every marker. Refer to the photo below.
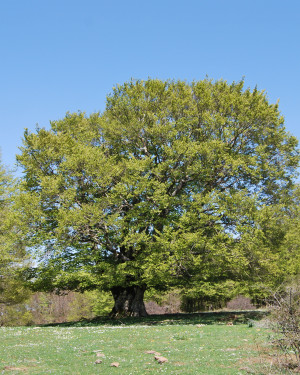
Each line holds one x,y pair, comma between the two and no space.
66,55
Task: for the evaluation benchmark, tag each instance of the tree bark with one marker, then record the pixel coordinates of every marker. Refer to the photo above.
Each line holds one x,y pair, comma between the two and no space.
129,301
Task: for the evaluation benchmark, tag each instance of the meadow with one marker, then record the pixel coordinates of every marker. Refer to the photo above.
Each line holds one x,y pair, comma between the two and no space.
202,345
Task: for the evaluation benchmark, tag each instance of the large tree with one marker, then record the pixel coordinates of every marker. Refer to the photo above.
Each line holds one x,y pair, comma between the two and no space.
160,189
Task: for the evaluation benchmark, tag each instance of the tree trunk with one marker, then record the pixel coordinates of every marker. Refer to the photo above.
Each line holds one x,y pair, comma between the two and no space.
128,301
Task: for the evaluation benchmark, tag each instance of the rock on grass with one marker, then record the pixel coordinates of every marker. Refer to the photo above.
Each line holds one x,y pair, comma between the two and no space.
115,364
160,359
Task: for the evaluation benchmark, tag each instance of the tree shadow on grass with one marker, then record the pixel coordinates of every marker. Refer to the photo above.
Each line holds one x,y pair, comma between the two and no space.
217,317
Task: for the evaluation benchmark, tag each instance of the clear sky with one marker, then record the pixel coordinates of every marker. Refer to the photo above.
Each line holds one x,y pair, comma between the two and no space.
66,55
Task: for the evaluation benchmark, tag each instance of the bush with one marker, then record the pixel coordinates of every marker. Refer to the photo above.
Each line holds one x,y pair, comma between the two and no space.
69,306
15,315
240,303
163,303
285,324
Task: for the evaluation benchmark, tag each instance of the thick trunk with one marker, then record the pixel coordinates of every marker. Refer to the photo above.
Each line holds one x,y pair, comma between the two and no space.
128,301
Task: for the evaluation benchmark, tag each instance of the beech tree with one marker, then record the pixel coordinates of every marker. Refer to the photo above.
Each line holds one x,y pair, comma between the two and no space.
161,189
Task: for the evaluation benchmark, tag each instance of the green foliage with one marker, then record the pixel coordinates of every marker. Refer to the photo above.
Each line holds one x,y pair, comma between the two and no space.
90,304
101,302
169,186
15,315
12,248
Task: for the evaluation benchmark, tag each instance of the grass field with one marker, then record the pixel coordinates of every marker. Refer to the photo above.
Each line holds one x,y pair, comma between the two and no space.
191,347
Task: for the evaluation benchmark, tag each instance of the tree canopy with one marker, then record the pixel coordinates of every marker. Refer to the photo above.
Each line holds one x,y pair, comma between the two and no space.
165,187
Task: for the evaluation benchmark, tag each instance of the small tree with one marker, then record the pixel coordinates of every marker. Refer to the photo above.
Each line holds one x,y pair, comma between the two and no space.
12,249
161,189
285,303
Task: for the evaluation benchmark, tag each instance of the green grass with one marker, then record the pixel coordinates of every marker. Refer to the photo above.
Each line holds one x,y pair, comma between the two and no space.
190,348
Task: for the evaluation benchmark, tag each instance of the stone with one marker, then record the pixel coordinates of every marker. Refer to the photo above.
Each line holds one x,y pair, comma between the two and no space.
160,359
115,364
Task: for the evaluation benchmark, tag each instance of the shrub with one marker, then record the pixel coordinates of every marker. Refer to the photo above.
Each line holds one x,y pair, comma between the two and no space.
15,315
285,324
240,303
